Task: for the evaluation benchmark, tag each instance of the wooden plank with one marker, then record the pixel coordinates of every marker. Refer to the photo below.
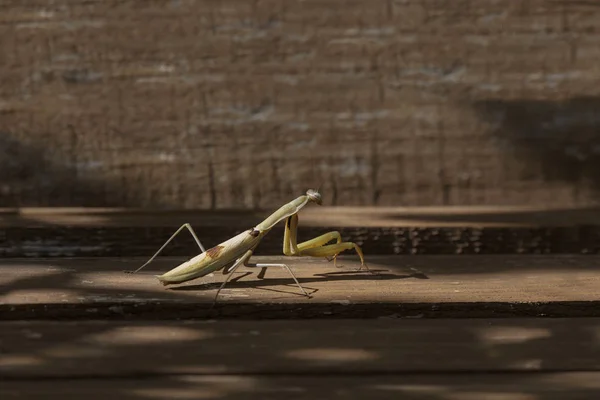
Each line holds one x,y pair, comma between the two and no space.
553,386
110,349
368,217
401,286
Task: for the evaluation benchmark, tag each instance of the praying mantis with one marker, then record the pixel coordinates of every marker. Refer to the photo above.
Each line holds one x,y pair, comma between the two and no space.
238,250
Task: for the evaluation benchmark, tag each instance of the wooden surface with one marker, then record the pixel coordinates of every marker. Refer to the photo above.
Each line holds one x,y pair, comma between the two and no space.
472,386
243,104
73,328
401,285
438,359
46,349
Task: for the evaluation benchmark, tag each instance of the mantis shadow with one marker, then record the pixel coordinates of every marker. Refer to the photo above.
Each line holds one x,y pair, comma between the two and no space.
237,283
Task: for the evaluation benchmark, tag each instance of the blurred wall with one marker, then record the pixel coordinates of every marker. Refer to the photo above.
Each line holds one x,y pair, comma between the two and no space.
245,104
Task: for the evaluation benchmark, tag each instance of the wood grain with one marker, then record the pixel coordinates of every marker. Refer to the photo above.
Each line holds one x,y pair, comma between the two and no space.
236,104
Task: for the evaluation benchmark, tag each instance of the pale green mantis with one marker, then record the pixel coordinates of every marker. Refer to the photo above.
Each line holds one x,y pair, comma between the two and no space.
237,251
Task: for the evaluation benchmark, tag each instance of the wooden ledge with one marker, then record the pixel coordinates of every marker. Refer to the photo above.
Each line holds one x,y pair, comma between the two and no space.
405,286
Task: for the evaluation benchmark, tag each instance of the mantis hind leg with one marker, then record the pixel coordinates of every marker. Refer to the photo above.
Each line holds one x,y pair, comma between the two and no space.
189,228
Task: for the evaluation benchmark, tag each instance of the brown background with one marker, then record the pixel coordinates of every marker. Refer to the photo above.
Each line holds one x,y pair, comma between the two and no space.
245,104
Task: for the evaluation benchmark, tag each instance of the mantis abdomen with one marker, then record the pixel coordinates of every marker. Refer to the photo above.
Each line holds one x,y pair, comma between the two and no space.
212,259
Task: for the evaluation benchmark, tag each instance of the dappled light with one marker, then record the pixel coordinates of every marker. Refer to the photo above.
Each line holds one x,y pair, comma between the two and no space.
147,335
36,270
534,364
280,358
583,380
198,392
41,295
412,388
489,395
73,351
211,347
19,361
99,286
200,387
332,355
511,334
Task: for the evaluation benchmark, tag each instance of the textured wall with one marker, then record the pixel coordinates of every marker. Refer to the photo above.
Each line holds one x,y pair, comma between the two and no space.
241,103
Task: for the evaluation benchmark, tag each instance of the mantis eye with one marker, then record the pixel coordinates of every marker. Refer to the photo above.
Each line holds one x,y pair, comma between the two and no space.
315,196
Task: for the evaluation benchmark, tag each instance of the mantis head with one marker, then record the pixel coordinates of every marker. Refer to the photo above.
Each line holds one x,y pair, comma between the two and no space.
315,196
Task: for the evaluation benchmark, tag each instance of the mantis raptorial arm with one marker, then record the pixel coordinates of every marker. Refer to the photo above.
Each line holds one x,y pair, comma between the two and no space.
316,247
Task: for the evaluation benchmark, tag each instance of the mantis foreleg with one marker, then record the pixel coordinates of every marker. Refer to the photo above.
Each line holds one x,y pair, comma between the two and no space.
316,247
189,228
